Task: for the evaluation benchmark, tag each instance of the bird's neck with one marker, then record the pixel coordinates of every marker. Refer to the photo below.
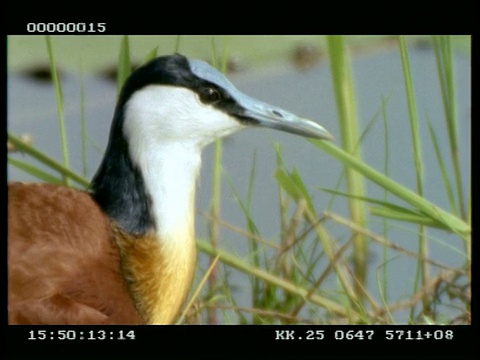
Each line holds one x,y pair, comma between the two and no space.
159,264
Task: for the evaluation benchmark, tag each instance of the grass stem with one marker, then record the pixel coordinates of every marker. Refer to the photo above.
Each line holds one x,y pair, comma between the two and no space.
60,110
345,99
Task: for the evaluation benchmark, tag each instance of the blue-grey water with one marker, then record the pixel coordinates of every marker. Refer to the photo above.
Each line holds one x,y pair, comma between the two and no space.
378,80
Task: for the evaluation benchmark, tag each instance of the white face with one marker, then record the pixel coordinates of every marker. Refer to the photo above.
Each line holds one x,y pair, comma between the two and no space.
160,114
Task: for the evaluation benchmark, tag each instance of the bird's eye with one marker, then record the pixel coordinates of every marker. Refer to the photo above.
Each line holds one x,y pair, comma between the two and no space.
210,95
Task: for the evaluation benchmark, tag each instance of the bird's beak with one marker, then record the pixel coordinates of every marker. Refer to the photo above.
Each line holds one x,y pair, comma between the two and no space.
270,116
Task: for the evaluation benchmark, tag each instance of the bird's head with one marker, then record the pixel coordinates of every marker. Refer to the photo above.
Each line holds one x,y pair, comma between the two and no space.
181,100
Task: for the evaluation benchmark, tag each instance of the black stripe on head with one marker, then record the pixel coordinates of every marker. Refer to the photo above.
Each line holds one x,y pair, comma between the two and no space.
165,70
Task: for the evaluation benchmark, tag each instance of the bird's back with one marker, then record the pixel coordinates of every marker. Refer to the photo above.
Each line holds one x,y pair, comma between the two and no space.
63,264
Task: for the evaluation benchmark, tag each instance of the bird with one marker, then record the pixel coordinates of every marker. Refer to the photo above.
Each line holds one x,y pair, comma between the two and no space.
123,251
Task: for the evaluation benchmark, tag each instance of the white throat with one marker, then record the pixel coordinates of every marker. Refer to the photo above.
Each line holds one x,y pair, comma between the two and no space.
170,172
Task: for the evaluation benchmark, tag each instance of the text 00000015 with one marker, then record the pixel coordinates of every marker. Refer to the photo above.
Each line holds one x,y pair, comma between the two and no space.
66,27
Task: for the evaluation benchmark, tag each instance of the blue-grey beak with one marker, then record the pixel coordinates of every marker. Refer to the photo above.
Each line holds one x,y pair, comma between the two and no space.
273,117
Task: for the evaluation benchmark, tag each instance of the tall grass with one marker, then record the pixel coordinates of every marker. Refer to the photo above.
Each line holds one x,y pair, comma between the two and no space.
304,275
344,91
60,110
216,186
422,266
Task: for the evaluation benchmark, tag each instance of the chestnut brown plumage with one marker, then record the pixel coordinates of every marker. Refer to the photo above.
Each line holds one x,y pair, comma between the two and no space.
124,251
63,262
